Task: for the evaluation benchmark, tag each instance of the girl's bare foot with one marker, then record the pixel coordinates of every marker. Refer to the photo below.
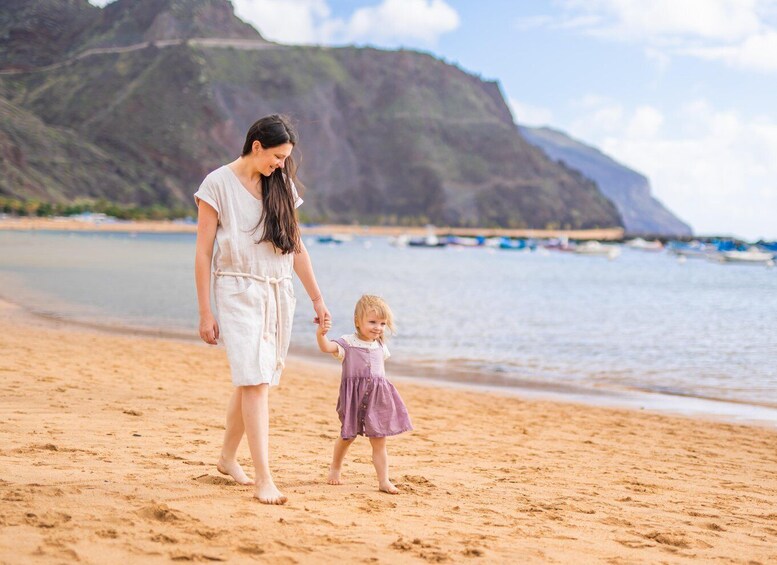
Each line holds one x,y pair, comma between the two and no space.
234,470
334,477
389,488
268,493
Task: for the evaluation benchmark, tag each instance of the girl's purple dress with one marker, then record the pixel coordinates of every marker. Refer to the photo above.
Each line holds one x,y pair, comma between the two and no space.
369,404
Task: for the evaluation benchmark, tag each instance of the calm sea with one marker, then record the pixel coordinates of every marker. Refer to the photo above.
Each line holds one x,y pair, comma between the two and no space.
640,331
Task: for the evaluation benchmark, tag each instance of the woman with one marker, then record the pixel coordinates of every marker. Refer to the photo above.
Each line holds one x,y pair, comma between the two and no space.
248,208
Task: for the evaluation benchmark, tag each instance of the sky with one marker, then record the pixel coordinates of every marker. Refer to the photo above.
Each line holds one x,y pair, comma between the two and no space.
683,91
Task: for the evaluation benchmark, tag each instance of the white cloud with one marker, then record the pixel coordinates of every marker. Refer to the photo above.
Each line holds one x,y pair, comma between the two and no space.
718,172
739,33
425,20
645,123
286,21
391,22
711,19
528,115
757,52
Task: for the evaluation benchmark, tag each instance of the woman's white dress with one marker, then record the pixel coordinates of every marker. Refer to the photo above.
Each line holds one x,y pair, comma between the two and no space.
252,283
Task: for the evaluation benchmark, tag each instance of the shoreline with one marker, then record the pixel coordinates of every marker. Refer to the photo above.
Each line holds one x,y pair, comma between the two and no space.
109,445
681,405
160,227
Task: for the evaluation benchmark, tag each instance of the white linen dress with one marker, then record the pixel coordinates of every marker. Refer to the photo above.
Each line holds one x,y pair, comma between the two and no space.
252,283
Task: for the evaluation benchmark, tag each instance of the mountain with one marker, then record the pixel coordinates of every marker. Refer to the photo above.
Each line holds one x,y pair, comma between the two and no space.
627,189
165,90
39,161
38,33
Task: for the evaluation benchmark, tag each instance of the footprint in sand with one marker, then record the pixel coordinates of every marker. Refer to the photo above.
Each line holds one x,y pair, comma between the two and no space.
250,549
215,480
160,513
415,484
184,556
16,496
425,550
670,539
162,538
47,520
370,506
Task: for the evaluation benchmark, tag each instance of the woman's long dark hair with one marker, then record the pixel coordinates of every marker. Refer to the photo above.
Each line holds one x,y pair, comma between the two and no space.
279,213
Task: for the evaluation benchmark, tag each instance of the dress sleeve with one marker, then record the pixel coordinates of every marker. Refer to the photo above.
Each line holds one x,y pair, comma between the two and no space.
386,353
297,200
208,193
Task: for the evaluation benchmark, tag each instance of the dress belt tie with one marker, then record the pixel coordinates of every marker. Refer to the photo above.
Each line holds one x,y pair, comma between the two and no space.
274,283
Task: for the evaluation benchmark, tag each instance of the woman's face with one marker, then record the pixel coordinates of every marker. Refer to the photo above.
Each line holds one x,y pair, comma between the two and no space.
267,160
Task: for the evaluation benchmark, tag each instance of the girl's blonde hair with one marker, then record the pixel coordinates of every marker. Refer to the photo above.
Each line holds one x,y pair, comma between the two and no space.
370,303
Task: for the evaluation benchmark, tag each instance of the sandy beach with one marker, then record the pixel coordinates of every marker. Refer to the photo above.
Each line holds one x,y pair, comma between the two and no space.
67,224
108,445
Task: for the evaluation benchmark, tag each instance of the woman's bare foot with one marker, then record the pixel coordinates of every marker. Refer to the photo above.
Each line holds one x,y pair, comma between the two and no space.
334,477
268,493
234,470
389,488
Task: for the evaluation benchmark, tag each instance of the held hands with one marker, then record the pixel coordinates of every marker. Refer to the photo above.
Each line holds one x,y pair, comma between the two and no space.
324,327
209,329
322,312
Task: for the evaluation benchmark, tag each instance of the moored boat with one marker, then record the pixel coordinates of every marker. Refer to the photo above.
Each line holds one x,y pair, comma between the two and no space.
751,256
644,245
599,249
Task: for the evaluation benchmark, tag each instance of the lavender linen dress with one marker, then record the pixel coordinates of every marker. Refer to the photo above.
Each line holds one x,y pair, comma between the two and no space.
369,404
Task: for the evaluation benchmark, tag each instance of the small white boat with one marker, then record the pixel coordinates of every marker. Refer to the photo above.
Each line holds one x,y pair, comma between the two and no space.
693,250
644,245
463,241
430,240
597,248
753,256
399,240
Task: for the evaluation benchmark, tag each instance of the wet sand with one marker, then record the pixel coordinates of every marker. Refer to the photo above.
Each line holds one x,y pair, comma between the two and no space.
108,444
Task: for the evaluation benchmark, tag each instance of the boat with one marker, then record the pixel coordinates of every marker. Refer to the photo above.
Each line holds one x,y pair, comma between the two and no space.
427,241
751,256
335,239
644,245
517,244
559,244
693,250
399,240
598,249
463,241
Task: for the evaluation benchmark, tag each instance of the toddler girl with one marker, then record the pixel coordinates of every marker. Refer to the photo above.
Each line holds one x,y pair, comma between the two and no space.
368,404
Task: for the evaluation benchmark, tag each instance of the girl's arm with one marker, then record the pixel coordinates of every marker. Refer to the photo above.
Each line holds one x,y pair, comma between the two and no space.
207,223
324,344
304,269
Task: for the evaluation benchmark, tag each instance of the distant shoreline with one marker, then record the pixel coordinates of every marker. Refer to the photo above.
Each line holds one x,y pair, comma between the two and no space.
66,224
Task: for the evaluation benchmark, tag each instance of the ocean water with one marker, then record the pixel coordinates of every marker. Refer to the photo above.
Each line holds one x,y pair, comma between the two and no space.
642,330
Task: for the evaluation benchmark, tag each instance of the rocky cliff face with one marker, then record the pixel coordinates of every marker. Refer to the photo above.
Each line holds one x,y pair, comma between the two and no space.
642,213
386,136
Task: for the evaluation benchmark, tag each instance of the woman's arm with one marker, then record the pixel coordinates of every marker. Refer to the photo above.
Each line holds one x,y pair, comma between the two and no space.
304,269
207,223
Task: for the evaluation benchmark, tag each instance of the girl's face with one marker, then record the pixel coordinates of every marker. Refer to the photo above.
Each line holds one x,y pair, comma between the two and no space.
371,326
267,160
